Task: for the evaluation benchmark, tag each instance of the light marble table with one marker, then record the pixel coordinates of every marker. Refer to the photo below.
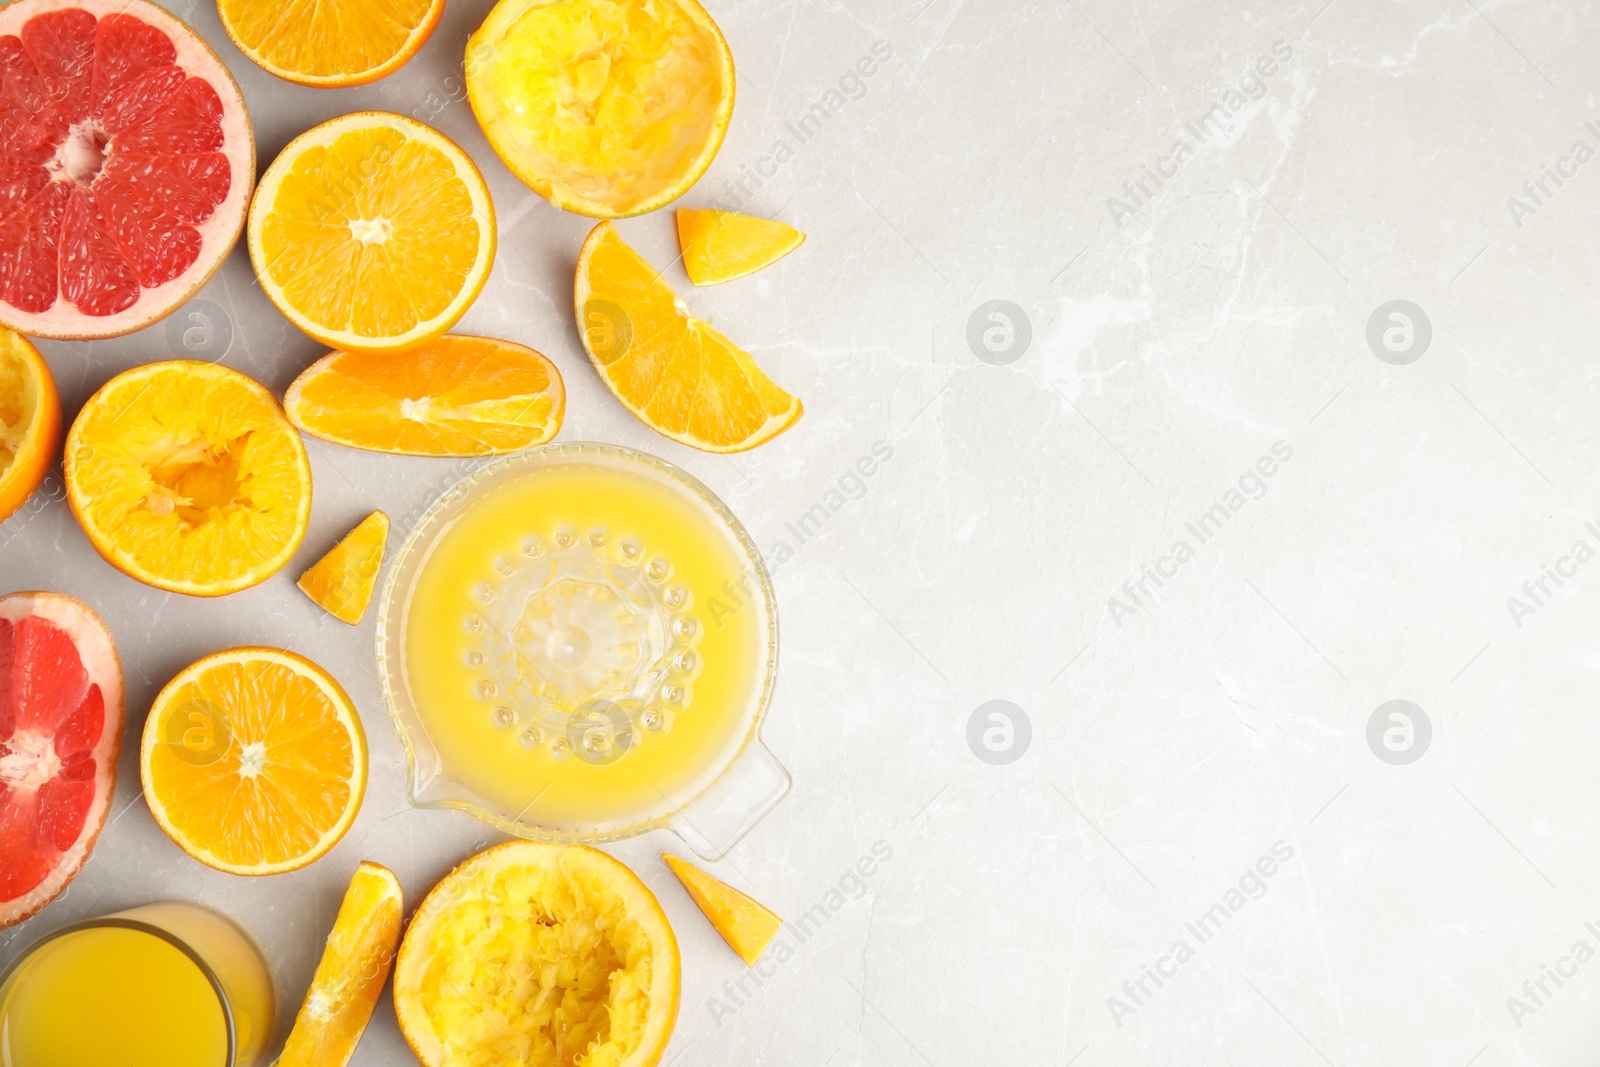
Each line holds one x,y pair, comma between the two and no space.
1195,501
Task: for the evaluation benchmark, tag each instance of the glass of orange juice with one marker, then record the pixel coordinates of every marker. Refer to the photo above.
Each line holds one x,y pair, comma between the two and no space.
579,643
162,985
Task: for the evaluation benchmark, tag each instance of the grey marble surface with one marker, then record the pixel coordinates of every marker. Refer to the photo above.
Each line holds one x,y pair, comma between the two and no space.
1195,506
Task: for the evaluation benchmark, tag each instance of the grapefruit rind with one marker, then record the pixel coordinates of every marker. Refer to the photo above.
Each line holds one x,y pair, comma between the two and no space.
218,233
97,652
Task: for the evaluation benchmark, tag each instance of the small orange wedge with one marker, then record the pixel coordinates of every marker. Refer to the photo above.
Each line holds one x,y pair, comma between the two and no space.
719,246
452,396
342,581
745,924
679,376
330,44
253,761
349,978
30,420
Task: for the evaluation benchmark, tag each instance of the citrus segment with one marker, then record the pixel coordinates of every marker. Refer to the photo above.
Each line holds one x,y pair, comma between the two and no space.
676,373
30,421
719,246
350,976
254,761
188,477
538,954
372,232
605,107
330,44
127,161
60,730
451,396
747,925
342,581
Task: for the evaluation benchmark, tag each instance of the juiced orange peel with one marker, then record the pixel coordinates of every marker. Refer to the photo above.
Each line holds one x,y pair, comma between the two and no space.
30,420
188,477
607,108
541,955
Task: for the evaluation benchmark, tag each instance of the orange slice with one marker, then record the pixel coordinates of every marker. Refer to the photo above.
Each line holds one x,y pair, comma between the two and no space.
187,476
745,924
540,955
372,232
719,246
254,761
607,108
329,44
679,376
451,396
342,581
30,420
350,976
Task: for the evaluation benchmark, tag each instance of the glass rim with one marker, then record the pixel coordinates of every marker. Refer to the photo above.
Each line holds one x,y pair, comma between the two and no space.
120,922
425,531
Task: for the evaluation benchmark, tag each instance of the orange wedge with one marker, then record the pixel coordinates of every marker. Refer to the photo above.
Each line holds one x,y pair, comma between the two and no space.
607,108
538,955
342,581
355,963
372,232
187,476
451,396
254,761
745,924
30,420
679,376
719,246
329,44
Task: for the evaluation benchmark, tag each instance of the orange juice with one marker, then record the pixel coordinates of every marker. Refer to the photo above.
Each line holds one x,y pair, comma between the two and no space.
586,640
166,985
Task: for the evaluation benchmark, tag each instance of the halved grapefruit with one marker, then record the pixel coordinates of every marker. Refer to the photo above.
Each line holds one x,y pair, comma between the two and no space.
60,730
126,162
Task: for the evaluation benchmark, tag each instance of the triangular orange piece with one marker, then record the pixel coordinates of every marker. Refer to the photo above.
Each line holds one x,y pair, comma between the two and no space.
745,924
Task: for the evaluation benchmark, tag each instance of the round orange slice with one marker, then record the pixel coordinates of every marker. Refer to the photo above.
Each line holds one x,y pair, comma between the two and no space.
372,232
542,955
30,420
679,376
330,44
350,976
187,476
607,108
451,396
254,761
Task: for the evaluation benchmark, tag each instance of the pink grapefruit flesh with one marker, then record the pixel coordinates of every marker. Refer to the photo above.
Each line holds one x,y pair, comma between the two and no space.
60,731
126,163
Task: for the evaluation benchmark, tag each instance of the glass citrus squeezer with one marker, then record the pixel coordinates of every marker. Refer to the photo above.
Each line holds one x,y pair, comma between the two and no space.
579,643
